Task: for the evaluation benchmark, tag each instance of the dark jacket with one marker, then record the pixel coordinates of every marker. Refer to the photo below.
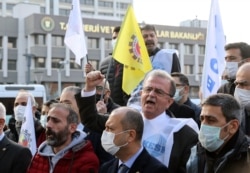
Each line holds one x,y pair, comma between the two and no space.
231,159
196,108
184,139
111,105
144,163
39,132
227,88
114,79
80,158
13,157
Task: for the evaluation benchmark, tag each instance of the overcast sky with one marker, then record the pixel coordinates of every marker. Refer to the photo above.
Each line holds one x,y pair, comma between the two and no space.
235,14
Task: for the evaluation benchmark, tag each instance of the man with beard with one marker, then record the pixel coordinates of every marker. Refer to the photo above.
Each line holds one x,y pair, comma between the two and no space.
166,138
65,148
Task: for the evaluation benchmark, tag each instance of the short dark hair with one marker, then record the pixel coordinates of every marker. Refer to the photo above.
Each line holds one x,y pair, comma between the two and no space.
165,75
230,107
148,28
72,116
244,48
133,120
50,102
116,29
183,78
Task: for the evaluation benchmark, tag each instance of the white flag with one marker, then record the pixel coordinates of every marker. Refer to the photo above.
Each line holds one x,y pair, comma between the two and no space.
27,137
74,37
214,62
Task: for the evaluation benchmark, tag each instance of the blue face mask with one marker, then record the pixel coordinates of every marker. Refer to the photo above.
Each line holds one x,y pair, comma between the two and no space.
209,137
178,96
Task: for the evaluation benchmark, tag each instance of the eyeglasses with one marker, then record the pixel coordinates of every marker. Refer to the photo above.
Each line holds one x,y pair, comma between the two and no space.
157,91
99,88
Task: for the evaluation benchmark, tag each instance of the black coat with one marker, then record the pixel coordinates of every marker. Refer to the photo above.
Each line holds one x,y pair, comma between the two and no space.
144,163
184,139
13,157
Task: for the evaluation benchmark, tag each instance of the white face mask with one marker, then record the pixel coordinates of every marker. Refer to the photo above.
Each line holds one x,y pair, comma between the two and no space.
43,120
231,69
113,43
242,96
209,137
19,112
107,140
178,96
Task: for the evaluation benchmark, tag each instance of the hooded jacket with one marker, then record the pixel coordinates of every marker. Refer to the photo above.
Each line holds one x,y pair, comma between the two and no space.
78,156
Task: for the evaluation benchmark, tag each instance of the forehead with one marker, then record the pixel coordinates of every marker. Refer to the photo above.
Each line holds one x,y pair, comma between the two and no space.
243,74
176,79
158,82
115,119
213,112
67,96
147,32
21,98
58,113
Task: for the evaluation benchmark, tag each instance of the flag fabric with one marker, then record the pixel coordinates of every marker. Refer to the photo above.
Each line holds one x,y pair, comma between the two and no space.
214,62
131,51
27,137
75,37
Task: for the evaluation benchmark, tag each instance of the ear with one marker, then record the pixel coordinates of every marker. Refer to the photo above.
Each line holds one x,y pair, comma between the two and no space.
132,135
34,110
233,126
72,127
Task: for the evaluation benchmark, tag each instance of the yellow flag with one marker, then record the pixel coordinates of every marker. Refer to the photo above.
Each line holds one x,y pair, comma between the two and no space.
131,51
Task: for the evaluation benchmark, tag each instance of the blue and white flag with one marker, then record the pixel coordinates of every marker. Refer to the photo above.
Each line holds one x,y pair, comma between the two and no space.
214,62
27,137
75,37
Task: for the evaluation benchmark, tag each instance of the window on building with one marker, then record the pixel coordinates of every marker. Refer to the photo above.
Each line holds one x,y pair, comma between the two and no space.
74,65
66,1
42,9
12,42
1,41
39,62
105,14
39,39
200,70
173,46
57,40
87,2
10,6
55,62
89,13
121,5
189,49
105,4
202,49
108,44
189,69
11,64
64,12
160,45
93,43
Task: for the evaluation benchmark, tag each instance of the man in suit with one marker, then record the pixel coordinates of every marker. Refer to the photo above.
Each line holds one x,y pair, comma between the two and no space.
13,157
167,139
122,138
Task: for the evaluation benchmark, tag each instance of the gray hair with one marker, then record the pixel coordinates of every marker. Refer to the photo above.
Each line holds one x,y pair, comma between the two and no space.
164,75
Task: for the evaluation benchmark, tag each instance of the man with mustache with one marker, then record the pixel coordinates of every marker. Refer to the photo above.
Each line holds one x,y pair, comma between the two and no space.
166,138
164,59
65,148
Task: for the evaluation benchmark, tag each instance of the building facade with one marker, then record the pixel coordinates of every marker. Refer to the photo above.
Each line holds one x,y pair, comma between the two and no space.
32,46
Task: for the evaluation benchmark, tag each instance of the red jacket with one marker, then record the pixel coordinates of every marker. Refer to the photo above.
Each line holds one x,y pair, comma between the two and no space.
79,159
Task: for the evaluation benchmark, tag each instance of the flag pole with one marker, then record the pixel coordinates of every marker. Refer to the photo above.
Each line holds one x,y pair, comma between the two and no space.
106,78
